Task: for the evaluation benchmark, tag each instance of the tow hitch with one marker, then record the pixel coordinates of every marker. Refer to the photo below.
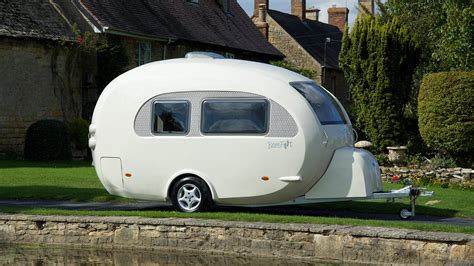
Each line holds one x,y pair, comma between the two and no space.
410,191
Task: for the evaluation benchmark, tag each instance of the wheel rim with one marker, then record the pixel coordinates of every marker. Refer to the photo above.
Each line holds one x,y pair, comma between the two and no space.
189,197
404,213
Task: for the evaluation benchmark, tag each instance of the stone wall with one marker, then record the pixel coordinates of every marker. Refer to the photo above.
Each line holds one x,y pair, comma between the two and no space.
301,241
295,54
40,80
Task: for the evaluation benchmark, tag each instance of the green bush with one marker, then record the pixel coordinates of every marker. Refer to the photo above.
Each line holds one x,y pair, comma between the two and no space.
446,113
47,140
79,130
302,71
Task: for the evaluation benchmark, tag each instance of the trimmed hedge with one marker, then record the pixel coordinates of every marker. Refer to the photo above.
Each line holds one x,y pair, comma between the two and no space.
47,140
446,112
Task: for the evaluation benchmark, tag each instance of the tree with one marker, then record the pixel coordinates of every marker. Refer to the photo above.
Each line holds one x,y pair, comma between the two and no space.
378,59
443,27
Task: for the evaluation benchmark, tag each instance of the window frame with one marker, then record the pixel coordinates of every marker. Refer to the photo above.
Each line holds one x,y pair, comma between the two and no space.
236,100
149,49
174,133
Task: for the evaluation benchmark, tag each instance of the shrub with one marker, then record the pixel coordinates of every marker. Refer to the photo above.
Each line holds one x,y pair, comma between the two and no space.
302,71
79,130
378,60
47,140
446,113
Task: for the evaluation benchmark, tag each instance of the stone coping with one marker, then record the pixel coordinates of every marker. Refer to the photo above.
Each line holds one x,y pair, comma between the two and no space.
322,229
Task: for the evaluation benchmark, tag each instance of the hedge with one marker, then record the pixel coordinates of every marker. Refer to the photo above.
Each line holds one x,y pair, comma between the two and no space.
47,140
446,112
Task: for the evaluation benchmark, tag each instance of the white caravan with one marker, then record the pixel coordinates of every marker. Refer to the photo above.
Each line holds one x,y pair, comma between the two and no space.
205,130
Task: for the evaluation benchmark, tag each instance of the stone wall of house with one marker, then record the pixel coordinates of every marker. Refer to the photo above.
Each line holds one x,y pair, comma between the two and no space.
342,243
40,80
299,57
294,53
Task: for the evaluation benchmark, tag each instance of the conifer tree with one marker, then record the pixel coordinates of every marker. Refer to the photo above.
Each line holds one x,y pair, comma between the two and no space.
378,60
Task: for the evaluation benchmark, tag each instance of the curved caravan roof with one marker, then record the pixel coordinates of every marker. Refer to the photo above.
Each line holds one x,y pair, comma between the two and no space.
199,74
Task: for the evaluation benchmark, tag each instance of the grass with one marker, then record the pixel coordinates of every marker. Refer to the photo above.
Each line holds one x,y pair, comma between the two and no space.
73,181
77,181
450,202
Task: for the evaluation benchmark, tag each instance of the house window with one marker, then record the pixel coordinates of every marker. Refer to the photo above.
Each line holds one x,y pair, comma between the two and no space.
234,116
171,117
225,5
143,53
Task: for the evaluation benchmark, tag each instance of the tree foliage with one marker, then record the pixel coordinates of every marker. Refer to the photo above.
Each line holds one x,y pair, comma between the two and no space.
444,28
378,60
302,71
113,60
446,116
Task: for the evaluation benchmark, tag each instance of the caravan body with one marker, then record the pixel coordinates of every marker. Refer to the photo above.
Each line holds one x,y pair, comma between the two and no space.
197,131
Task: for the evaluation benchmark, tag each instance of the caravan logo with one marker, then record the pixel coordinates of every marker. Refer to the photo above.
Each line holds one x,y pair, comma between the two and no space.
284,144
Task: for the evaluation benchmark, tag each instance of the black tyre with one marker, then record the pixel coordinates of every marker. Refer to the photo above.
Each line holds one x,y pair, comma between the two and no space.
191,194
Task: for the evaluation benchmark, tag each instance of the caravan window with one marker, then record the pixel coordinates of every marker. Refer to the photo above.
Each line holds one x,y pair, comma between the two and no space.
235,116
326,107
171,117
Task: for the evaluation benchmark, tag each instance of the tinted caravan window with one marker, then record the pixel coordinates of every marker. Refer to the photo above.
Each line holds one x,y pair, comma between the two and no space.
235,117
170,117
327,109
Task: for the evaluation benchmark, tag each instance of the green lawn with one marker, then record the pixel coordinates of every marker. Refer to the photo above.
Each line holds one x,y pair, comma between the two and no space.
77,181
451,202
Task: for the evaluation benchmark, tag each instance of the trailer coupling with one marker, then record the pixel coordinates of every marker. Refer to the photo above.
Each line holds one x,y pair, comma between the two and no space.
411,192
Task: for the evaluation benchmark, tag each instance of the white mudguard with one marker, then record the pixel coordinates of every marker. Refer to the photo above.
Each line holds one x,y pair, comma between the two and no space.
352,173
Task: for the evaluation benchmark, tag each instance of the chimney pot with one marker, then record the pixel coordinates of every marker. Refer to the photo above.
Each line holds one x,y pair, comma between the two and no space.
261,20
257,4
312,14
262,13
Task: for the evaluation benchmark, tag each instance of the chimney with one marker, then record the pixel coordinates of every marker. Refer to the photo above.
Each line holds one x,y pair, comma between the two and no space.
338,16
366,7
298,8
257,4
261,23
312,14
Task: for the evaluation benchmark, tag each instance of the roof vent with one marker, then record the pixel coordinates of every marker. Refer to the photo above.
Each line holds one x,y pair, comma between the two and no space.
208,55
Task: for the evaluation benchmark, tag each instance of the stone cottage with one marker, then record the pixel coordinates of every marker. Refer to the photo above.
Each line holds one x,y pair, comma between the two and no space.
40,70
306,42
47,75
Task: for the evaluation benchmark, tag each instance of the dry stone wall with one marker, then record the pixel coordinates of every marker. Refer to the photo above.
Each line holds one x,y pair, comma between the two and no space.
300,241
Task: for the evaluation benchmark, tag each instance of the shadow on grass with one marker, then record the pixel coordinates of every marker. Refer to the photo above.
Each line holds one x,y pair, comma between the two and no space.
363,210
356,209
33,164
57,193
